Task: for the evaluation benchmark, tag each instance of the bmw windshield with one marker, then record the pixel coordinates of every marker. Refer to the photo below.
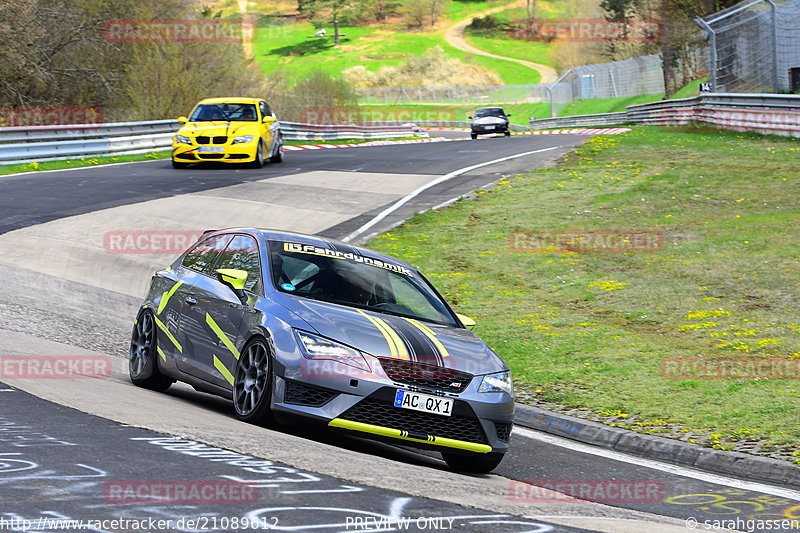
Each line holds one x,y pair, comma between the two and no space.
354,280
226,112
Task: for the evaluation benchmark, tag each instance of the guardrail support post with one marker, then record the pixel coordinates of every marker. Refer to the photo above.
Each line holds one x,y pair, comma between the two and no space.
775,84
712,46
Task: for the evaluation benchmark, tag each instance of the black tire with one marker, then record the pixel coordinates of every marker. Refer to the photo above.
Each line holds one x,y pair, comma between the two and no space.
252,383
143,361
472,463
278,157
508,133
474,136
259,161
176,164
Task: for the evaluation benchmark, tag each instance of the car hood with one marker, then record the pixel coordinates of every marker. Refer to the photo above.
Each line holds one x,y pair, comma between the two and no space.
367,331
487,121
218,128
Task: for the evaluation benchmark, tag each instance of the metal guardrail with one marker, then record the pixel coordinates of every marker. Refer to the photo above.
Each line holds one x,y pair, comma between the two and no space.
763,113
20,145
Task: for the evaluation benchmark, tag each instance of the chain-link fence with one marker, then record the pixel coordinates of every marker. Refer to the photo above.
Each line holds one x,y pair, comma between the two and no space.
753,46
630,77
488,95
617,79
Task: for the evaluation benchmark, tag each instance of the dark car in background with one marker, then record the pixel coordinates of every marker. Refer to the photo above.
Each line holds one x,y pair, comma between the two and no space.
289,325
490,120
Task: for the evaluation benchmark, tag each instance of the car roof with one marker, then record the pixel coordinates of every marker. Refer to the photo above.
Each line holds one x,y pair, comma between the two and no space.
489,108
230,100
316,240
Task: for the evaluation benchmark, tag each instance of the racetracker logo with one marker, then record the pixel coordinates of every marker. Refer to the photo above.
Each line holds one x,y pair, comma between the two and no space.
179,31
586,241
593,490
754,368
149,242
591,30
55,366
370,117
49,116
180,492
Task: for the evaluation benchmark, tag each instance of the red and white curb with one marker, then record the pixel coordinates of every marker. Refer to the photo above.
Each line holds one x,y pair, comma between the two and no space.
575,131
370,143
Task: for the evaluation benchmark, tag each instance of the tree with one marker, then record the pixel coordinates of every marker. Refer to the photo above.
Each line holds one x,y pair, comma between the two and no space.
533,27
325,12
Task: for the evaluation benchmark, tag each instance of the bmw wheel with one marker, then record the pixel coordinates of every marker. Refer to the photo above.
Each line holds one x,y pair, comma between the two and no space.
508,133
176,164
259,160
278,156
474,136
252,386
143,361
472,463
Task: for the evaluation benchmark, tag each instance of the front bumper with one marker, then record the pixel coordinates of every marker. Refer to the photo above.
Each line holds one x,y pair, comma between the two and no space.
500,128
231,153
480,423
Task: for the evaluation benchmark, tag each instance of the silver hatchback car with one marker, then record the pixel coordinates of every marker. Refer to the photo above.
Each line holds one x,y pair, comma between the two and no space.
290,324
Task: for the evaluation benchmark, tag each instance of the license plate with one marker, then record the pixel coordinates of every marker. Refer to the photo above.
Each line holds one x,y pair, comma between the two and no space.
214,149
423,402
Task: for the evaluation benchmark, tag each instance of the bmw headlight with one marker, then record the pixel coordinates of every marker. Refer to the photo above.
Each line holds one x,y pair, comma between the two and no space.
243,139
499,382
181,139
316,347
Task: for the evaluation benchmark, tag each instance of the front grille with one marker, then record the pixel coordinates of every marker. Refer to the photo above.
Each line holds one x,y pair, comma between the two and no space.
211,156
203,139
462,425
425,375
301,394
503,430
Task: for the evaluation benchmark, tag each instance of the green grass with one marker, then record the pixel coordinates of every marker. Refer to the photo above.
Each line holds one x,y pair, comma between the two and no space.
81,162
589,330
292,47
607,105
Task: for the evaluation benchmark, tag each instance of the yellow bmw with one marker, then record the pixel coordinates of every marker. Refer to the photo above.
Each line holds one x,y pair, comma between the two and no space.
228,130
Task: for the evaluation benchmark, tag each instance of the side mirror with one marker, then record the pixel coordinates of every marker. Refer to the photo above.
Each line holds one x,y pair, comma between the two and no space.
508,114
467,321
469,116
269,119
183,120
234,280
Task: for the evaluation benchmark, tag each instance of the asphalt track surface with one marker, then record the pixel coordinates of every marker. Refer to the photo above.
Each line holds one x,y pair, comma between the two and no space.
42,311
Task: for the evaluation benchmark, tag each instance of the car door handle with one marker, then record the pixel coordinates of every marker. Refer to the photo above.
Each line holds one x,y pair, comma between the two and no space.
191,301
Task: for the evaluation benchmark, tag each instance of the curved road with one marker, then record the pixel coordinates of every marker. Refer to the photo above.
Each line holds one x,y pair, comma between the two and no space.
70,291
455,36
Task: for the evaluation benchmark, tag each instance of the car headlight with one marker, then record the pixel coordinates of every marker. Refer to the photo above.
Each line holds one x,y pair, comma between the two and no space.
499,382
243,139
181,139
316,347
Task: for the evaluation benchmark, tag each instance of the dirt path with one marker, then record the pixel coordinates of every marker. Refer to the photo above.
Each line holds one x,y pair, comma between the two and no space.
455,36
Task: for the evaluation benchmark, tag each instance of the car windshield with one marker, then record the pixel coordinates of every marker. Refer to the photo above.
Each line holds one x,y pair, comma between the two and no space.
490,112
356,281
226,112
